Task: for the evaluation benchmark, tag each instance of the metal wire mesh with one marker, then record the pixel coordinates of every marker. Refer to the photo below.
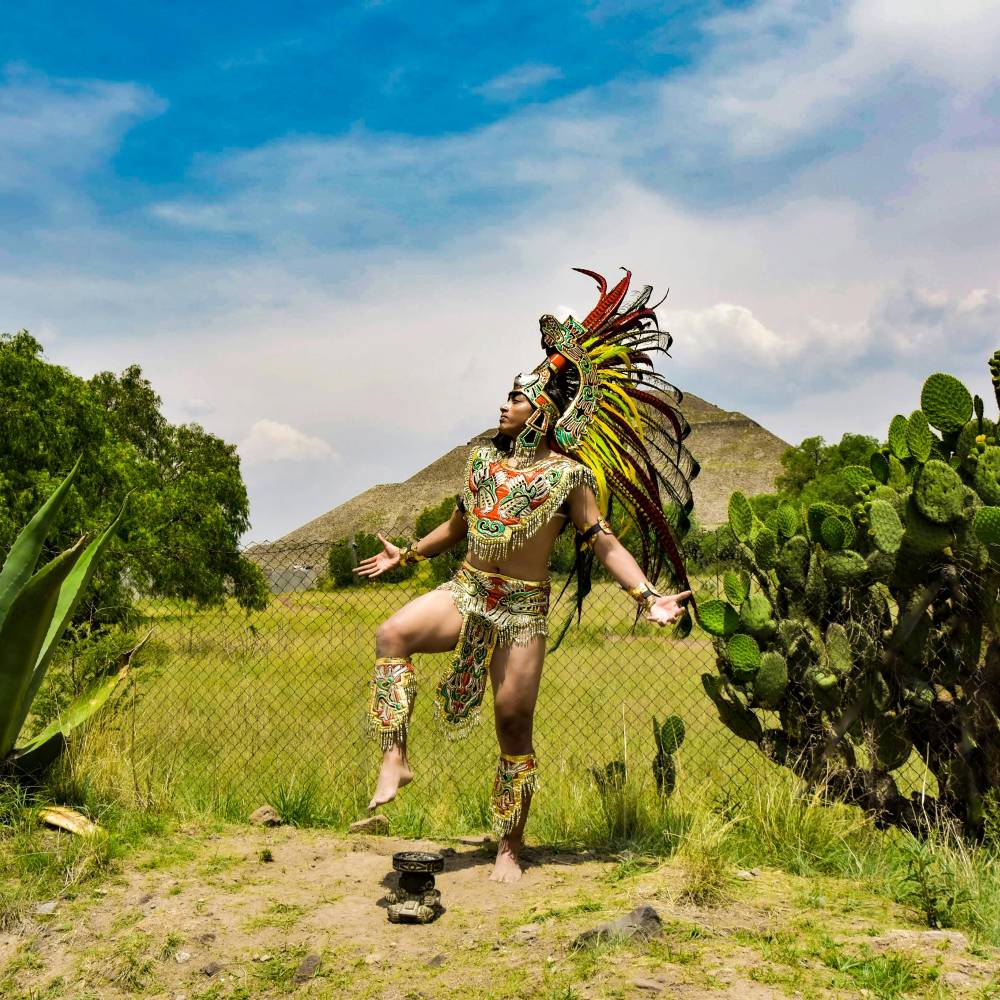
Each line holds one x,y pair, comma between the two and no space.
246,706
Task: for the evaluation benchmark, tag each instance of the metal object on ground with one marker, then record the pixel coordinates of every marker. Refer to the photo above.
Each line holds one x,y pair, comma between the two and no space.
415,900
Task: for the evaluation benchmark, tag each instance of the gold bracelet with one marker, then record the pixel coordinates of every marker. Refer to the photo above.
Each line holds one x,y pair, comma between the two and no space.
409,554
644,593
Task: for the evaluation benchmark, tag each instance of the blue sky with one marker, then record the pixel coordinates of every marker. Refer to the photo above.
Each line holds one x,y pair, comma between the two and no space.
326,231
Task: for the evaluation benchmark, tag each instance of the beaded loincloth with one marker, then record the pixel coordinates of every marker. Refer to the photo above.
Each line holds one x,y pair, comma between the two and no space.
495,609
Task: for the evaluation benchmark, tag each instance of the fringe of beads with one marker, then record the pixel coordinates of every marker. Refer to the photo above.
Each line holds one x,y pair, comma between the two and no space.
394,686
516,781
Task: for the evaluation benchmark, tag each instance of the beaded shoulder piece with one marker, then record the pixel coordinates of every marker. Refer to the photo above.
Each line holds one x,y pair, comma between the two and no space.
505,506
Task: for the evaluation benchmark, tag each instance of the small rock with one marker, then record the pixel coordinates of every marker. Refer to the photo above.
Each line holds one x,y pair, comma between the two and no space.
101,891
47,908
958,980
746,876
307,968
265,816
436,961
526,932
370,824
373,959
211,969
643,922
648,984
263,958
180,957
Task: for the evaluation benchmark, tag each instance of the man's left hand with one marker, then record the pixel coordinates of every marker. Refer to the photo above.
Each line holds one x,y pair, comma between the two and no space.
667,609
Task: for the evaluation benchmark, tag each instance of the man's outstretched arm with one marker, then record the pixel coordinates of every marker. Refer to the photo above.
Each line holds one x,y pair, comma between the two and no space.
440,539
663,609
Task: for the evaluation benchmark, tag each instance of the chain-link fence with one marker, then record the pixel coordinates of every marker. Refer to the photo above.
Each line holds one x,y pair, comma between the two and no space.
243,707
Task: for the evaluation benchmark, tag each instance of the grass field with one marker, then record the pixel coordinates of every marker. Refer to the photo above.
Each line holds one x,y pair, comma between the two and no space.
231,710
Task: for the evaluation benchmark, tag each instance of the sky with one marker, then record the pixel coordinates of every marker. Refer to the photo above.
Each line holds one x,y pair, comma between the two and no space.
326,231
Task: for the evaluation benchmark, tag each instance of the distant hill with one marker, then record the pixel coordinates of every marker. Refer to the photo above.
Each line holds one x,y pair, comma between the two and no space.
735,453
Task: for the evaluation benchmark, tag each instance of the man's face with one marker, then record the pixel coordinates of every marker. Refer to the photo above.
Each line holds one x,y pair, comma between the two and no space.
514,413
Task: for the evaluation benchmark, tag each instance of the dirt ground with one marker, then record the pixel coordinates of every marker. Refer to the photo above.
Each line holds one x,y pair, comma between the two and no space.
250,912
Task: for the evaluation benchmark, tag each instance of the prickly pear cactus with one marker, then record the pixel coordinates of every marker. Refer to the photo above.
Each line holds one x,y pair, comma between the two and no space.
869,633
669,735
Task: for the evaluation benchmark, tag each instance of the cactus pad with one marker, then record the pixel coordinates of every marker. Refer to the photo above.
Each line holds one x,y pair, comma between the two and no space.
765,548
885,526
987,525
816,588
671,734
987,476
924,536
939,492
818,513
898,479
879,464
858,478
966,443
787,519
756,615
919,437
736,587
946,403
793,563
740,516
743,654
897,437
839,655
844,569
833,533
771,680
718,618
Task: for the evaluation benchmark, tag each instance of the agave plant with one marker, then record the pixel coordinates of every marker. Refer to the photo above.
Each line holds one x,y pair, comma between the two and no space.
35,608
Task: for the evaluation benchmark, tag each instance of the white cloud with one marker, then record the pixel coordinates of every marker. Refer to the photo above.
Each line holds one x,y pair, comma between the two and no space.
517,82
818,190
270,441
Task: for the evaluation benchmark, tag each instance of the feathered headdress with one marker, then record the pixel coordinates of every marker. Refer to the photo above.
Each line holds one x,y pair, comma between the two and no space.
622,421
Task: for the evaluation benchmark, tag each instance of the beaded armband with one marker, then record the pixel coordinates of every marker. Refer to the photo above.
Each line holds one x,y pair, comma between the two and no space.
645,594
410,555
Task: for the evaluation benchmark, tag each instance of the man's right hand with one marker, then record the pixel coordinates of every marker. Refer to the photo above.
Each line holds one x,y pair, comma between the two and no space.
378,564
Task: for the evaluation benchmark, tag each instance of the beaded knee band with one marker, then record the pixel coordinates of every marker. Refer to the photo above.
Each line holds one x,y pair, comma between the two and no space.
516,780
394,686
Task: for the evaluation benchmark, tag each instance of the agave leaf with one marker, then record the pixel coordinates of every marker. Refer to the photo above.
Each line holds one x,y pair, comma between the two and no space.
69,597
22,634
69,820
23,554
43,749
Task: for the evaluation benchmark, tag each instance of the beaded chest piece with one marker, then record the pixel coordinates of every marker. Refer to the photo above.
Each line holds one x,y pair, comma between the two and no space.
506,506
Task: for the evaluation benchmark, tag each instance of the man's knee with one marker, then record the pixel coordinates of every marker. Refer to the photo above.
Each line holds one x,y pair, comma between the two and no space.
390,639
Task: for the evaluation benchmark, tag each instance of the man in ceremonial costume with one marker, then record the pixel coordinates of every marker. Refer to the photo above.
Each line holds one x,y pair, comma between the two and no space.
593,425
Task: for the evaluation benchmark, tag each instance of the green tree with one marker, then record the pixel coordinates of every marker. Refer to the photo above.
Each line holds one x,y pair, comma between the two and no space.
188,508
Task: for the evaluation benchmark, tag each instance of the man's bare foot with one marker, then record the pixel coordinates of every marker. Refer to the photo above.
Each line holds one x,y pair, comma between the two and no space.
394,775
507,867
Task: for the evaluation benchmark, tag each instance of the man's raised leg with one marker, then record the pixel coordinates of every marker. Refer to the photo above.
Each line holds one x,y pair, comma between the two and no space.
428,624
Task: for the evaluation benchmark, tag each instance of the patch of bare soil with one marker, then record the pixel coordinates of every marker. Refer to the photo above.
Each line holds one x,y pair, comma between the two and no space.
214,916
